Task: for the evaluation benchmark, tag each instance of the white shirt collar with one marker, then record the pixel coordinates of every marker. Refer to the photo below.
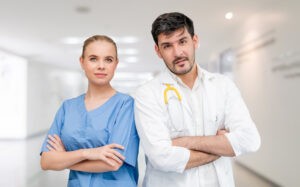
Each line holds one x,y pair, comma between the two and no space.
181,83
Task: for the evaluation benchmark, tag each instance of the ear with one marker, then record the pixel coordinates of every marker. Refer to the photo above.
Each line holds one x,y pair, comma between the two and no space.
117,62
196,41
81,62
157,51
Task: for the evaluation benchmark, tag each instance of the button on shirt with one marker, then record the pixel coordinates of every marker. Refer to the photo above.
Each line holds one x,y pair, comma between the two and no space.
194,97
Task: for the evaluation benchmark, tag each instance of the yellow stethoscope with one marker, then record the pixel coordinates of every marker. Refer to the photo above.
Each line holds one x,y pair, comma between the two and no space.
174,108
169,87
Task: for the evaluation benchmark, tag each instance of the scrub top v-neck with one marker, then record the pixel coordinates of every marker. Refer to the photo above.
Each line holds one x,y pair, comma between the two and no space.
112,122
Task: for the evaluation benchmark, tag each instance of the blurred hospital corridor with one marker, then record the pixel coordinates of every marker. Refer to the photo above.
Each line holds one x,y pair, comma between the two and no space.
254,43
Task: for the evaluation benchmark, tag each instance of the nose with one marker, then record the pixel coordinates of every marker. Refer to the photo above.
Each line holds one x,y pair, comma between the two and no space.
101,64
177,51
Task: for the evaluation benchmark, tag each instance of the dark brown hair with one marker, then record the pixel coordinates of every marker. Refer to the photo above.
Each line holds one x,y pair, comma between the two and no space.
169,22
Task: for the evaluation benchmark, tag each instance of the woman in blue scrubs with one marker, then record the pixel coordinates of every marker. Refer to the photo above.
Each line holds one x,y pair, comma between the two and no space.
94,134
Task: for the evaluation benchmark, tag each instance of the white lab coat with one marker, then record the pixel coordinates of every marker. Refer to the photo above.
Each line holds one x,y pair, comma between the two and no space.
223,107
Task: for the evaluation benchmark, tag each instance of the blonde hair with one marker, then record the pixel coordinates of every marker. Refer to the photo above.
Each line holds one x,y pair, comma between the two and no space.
98,38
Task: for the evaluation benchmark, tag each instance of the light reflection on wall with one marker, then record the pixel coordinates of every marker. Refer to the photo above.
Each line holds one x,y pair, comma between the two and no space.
13,85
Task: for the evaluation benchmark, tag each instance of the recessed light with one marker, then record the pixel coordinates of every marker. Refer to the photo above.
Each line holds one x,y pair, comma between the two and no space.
82,9
126,39
72,40
129,39
229,15
128,51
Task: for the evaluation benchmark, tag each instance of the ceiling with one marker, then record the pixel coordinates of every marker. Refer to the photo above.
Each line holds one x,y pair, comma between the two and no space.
35,29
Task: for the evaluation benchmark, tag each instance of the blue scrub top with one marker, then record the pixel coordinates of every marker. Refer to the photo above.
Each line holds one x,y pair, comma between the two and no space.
112,122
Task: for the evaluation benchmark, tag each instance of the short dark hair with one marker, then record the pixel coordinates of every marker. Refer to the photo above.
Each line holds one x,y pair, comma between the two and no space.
169,22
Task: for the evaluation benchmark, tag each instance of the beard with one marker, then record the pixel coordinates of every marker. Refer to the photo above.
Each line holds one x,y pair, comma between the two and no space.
186,70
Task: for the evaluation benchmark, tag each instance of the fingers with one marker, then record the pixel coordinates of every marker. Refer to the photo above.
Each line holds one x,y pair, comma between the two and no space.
53,139
58,138
108,161
114,157
52,144
50,148
222,132
114,145
117,154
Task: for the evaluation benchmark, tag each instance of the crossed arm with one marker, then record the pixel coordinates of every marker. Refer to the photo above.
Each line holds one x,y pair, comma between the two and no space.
100,159
205,149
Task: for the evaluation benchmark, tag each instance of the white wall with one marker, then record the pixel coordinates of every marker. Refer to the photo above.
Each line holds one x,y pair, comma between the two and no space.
48,87
267,71
13,86
31,93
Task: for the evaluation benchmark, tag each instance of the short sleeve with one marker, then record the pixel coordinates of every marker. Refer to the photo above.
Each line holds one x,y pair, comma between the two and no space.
55,127
124,132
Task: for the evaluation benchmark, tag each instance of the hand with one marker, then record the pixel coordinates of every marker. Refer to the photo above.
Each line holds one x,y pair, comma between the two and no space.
222,132
56,143
104,153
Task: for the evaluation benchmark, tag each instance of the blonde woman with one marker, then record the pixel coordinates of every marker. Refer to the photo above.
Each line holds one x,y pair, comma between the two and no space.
94,134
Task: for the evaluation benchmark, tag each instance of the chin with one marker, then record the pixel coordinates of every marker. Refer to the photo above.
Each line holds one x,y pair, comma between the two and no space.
100,82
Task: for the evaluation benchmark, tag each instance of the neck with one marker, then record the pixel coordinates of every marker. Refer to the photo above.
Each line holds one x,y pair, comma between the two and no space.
99,92
190,77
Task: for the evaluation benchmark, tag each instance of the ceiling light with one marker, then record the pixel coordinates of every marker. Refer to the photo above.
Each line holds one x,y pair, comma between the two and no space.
82,9
129,39
73,40
126,39
229,15
128,51
131,59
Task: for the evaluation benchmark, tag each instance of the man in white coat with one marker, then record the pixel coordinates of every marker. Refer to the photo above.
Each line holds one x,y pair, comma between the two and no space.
190,121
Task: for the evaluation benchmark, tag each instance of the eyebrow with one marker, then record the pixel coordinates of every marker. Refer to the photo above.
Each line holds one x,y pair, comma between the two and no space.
183,38
97,56
110,57
167,43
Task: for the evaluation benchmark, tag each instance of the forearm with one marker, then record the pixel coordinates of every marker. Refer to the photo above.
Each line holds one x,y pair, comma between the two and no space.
56,160
218,145
198,158
95,166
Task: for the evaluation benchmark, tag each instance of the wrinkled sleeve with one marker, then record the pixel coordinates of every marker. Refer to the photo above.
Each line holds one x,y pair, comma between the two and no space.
154,134
124,132
55,127
243,136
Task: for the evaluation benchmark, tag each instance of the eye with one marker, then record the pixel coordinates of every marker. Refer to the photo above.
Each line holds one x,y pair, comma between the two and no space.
108,60
93,59
166,46
182,41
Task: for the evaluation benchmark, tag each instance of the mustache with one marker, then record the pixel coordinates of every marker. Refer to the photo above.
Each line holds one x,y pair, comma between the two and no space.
179,59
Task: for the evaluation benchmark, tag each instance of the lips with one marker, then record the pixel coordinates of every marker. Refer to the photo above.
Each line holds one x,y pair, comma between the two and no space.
180,60
100,75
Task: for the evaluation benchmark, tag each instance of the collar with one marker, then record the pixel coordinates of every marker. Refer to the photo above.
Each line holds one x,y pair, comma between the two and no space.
171,78
199,77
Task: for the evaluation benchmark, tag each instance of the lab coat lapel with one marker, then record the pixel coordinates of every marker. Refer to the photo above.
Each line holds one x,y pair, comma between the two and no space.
209,105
